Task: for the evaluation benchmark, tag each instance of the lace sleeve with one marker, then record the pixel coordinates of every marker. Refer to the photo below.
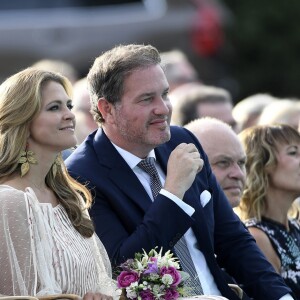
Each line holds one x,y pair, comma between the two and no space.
23,261
105,284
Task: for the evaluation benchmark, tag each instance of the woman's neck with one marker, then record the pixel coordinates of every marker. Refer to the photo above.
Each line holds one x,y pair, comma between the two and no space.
278,204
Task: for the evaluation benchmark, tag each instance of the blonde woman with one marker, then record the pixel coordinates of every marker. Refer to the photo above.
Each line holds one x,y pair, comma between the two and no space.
272,185
47,240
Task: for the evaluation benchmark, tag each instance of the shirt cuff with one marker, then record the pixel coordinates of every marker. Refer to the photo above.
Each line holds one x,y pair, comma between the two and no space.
185,207
287,297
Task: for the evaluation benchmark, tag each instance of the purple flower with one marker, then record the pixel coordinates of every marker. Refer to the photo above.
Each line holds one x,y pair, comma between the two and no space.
127,265
173,272
147,295
126,278
152,266
171,294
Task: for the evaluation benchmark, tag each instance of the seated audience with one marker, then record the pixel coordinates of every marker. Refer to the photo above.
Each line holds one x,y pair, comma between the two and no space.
48,243
272,185
153,183
284,111
225,154
247,111
85,123
57,66
178,69
195,101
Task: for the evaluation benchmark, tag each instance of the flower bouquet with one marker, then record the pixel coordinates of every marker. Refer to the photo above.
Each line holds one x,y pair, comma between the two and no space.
152,276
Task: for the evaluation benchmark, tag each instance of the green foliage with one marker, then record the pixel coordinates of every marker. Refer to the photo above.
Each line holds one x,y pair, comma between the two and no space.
263,46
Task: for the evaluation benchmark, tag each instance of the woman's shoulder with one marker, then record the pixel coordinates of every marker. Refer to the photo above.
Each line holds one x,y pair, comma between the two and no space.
9,189
10,194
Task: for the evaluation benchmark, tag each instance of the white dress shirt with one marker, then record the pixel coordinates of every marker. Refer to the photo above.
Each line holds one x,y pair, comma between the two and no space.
207,281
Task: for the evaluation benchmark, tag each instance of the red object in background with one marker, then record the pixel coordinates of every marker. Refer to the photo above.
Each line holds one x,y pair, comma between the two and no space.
207,32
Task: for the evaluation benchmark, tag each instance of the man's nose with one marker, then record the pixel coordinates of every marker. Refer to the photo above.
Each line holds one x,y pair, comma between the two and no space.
236,171
163,106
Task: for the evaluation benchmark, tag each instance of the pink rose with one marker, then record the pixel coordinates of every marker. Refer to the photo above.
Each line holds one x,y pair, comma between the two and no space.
147,295
126,278
173,272
171,294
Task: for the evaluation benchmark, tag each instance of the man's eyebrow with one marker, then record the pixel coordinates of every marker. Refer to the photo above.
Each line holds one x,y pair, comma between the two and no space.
223,157
147,94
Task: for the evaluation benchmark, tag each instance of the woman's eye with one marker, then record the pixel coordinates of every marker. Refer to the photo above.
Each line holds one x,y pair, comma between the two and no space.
70,106
54,107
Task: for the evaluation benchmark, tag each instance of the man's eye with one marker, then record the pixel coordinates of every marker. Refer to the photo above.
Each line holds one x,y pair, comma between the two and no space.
242,163
223,164
165,95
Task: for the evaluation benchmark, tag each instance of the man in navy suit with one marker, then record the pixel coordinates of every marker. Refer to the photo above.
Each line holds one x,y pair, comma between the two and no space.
129,93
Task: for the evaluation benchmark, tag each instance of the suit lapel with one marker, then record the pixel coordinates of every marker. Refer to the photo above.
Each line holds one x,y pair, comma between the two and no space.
121,175
192,197
127,181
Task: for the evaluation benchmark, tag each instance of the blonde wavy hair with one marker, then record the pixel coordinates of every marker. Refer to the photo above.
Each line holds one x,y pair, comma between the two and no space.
20,103
261,146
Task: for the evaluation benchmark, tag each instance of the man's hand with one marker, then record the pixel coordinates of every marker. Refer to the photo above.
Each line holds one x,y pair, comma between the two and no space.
183,165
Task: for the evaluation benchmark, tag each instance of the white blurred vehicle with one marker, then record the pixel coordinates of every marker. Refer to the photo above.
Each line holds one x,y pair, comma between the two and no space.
79,30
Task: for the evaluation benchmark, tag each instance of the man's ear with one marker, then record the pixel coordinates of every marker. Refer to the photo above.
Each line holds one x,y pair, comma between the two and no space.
105,108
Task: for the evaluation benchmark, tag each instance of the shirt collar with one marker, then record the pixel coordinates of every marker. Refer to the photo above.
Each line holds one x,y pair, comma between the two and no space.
130,158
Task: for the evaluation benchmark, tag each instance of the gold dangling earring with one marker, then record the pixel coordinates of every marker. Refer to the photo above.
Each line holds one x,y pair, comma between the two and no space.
27,158
55,165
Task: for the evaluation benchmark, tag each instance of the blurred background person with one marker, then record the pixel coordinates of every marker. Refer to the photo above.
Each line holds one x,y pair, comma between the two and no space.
247,111
225,154
85,123
195,101
272,185
178,69
58,66
285,111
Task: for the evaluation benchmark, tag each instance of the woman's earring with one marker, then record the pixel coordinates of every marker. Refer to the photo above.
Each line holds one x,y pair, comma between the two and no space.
27,158
55,165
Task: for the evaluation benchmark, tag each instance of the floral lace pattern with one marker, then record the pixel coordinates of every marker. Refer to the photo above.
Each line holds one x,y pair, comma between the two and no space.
287,246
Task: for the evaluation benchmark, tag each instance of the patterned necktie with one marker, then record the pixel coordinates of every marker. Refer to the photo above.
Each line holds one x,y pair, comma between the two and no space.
193,283
148,166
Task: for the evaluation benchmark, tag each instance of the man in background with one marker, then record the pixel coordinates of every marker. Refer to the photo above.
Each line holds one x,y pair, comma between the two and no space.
225,154
194,100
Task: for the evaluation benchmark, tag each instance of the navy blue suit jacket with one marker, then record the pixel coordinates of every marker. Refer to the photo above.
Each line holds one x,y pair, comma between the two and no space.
127,220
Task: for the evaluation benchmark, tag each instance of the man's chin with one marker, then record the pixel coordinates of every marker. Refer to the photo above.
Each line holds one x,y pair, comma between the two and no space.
166,136
161,139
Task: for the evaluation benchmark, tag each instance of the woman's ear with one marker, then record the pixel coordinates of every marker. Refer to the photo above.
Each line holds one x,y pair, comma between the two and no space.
105,108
